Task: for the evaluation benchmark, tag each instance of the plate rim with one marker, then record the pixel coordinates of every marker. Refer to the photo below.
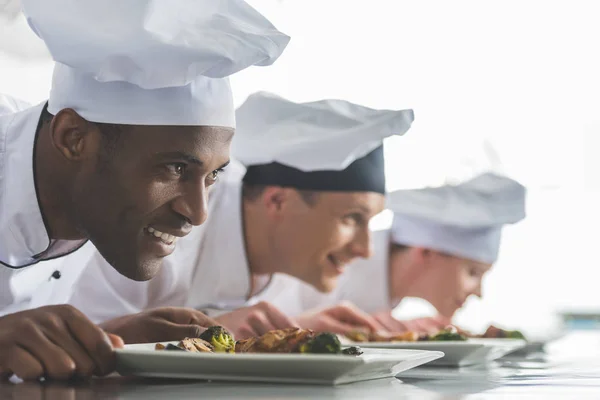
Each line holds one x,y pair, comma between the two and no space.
130,362
389,354
504,342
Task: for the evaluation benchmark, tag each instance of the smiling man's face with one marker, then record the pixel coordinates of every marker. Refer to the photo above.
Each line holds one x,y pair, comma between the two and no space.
316,240
136,196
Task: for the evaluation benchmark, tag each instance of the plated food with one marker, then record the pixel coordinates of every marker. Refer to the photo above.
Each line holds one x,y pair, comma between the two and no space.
448,334
497,333
217,339
297,367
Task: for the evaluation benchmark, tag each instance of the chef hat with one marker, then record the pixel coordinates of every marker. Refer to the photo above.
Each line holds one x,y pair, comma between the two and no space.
151,62
464,220
328,145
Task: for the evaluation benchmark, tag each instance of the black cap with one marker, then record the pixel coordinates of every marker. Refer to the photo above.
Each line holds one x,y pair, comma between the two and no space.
365,174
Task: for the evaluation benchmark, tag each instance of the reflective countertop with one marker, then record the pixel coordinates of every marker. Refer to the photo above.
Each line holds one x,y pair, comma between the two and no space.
569,369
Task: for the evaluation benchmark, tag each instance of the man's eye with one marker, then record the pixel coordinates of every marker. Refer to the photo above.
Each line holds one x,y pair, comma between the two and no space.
214,176
474,272
176,168
353,219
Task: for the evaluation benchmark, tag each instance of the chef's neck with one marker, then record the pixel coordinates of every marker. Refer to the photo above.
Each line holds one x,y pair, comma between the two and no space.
261,260
404,269
53,184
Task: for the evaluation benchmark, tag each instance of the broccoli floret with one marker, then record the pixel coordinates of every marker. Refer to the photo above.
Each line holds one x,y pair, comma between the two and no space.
352,351
448,335
323,343
218,336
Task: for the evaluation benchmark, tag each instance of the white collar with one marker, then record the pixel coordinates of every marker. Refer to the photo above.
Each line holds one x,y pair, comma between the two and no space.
224,245
375,271
23,234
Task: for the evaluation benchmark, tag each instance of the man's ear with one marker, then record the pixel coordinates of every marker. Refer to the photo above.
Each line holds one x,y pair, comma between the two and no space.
72,135
274,199
423,255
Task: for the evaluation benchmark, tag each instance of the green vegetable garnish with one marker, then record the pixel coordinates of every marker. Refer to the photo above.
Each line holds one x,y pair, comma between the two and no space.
218,336
323,343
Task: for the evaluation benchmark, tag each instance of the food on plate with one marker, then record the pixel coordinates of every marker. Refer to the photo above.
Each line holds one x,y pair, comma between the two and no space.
498,333
214,339
352,351
494,332
221,340
292,340
448,334
278,341
323,343
169,346
360,336
407,337
194,345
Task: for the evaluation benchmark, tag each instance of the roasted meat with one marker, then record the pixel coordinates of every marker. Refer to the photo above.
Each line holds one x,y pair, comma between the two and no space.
279,341
496,333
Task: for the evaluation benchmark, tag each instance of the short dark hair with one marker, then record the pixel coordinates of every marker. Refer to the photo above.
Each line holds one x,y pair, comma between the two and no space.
252,192
46,117
398,248
111,133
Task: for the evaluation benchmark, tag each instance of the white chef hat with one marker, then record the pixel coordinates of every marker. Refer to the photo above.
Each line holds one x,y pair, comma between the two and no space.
464,220
328,145
151,62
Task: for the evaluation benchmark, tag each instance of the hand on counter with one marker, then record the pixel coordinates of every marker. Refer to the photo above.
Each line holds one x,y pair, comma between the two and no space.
55,342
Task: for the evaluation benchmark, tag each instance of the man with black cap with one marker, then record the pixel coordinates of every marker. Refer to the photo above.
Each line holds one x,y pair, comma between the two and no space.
442,242
136,129
314,178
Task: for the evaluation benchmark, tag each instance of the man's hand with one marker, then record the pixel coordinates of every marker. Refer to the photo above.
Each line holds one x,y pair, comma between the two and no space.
56,342
255,320
419,325
159,324
342,318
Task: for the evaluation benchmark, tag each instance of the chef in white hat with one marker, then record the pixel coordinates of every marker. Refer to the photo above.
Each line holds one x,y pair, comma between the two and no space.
137,127
313,178
442,242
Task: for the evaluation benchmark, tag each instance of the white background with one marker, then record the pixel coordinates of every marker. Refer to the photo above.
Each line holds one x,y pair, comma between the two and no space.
511,86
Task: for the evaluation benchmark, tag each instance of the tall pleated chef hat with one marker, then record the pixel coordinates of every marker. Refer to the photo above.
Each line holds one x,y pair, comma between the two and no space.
465,220
151,62
328,145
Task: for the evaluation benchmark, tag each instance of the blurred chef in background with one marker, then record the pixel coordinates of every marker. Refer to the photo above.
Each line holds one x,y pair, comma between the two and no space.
442,242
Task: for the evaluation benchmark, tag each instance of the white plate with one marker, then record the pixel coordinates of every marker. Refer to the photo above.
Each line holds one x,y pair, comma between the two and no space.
537,345
459,353
143,360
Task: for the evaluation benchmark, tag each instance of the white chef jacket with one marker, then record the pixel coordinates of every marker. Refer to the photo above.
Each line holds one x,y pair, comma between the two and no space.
24,239
364,283
47,282
208,270
10,105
